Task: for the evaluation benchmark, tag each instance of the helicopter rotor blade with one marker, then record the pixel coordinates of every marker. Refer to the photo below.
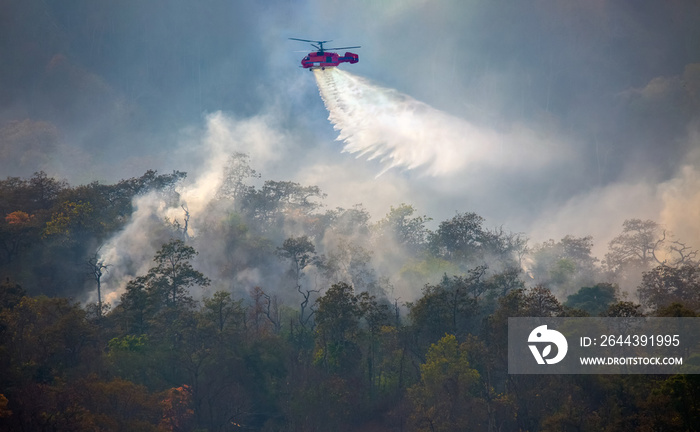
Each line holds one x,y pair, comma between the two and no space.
312,41
340,48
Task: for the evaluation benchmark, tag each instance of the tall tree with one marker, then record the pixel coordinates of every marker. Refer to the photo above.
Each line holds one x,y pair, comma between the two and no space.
540,302
565,265
165,287
269,205
448,307
664,285
337,324
624,309
464,240
643,245
96,267
402,227
222,310
17,231
301,253
637,245
446,399
10,294
173,275
236,173
44,189
459,238
594,300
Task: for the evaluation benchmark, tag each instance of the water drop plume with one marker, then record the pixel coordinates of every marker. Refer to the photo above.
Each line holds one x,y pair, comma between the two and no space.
382,123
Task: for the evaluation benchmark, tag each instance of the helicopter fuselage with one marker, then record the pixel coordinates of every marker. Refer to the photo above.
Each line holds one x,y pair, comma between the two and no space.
324,59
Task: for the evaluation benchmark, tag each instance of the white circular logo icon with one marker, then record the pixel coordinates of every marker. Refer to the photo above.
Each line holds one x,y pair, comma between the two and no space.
551,337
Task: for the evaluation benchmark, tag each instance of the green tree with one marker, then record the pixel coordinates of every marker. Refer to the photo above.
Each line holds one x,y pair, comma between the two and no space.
169,281
114,202
448,307
675,310
269,205
135,358
44,190
44,338
664,285
164,289
18,230
504,282
70,221
594,300
375,315
118,405
459,238
624,309
10,294
222,310
353,222
566,265
133,310
682,391
337,325
401,226
446,399
424,271
464,240
540,302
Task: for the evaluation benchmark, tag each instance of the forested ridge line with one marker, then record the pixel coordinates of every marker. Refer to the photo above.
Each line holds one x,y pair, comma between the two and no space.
353,324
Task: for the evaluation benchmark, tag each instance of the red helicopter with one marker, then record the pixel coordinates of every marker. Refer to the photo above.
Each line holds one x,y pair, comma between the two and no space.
321,58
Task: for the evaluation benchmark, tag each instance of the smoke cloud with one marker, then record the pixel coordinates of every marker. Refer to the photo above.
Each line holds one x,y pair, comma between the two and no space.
129,253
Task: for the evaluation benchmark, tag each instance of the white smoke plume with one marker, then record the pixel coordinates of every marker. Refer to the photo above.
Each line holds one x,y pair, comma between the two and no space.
129,253
377,122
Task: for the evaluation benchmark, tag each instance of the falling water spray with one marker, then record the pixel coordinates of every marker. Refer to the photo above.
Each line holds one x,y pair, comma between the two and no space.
381,123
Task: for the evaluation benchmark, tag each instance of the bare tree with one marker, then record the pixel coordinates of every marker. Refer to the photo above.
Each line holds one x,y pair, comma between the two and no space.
645,244
272,311
301,253
686,254
96,268
181,228
236,172
185,227
638,245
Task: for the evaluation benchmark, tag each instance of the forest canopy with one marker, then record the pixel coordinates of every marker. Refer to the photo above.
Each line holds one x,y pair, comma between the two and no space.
275,313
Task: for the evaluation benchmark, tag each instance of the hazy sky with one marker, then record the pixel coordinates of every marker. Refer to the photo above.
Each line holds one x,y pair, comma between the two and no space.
604,95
